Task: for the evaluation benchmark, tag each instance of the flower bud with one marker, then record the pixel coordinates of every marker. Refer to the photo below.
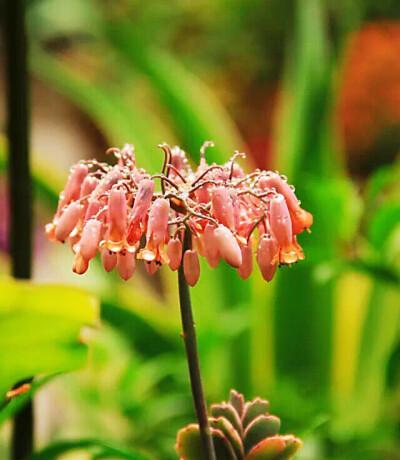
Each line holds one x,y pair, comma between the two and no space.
74,182
110,179
143,199
228,246
247,262
275,181
117,210
267,256
157,228
126,264
90,239
174,252
210,244
92,209
281,224
68,220
88,185
191,267
222,206
108,259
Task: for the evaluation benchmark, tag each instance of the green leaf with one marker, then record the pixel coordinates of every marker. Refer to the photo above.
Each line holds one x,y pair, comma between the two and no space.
260,428
381,180
189,445
228,412
384,221
305,139
10,407
40,328
223,425
100,449
253,409
275,448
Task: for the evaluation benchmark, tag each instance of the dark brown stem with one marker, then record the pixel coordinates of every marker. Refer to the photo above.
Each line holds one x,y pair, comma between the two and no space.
189,337
20,200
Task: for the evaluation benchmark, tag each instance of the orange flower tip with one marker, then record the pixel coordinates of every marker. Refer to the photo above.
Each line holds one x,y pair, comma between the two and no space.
20,390
80,265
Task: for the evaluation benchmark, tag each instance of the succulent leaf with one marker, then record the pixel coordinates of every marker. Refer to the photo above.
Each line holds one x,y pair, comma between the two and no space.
223,448
275,448
253,409
268,449
189,445
237,401
227,411
260,428
293,444
224,425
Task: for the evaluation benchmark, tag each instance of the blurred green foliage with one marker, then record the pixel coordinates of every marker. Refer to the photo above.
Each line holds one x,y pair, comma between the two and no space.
322,340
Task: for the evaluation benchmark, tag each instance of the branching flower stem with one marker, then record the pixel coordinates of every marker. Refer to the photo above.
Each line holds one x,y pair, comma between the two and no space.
189,337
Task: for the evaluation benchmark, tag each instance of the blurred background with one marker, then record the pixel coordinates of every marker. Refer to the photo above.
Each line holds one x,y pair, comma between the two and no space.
308,87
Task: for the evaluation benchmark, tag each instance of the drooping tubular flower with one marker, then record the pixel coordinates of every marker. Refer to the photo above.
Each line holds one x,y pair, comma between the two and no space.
118,212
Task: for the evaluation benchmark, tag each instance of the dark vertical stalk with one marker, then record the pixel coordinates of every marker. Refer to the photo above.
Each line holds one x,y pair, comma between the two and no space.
20,200
189,337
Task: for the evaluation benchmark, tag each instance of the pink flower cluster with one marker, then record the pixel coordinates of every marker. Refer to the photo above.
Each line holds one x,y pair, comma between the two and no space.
118,211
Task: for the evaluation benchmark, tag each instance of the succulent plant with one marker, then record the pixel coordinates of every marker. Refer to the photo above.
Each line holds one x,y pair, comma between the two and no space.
240,431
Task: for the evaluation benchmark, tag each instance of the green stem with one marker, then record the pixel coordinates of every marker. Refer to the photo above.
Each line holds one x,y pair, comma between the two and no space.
189,337
20,200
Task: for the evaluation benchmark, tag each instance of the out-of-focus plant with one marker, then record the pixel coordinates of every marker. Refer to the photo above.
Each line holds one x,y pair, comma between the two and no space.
41,335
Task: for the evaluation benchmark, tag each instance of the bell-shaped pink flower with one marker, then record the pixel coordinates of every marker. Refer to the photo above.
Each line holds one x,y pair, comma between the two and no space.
228,246
141,206
279,217
90,239
191,267
108,259
174,252
211,246
267,256
117,215
157,231
126,264
291,253
246,268
68,220
222,206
